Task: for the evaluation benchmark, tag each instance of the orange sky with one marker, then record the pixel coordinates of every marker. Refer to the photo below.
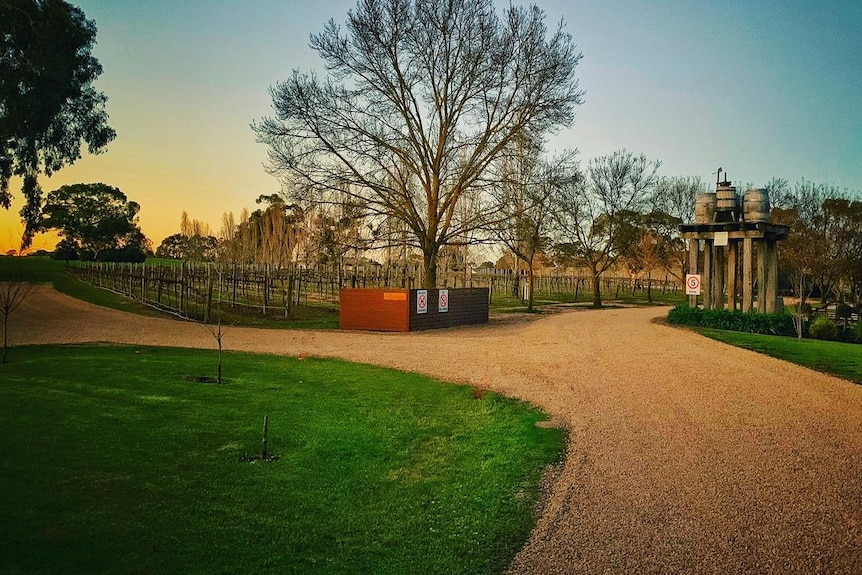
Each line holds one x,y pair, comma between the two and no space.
185,79
204,179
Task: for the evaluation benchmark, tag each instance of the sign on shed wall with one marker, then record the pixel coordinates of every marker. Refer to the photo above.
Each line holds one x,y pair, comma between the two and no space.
443,301
422,301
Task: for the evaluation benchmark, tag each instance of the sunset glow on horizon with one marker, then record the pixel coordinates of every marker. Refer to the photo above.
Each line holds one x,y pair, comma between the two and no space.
763,90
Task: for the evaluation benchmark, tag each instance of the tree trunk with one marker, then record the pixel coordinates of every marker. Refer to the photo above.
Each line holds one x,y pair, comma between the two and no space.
649,287
429,262
597,289
800,306
530,284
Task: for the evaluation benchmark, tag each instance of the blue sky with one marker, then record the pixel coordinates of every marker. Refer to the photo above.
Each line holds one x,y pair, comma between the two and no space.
760,88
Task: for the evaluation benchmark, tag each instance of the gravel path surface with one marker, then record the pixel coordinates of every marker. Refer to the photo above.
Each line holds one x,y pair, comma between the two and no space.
685,455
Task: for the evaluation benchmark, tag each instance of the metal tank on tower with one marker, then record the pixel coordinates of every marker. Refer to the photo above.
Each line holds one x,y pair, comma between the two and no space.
734,231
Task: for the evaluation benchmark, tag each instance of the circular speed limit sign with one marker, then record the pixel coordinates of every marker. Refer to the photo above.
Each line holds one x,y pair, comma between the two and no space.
692,284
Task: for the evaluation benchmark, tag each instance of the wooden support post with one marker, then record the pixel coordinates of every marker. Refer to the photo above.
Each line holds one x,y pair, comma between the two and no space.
692,267
747,258
761,276
732,250
718,255
706,279
772,276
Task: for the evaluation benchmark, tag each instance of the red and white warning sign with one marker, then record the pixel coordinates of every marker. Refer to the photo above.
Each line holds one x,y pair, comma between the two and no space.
692,284
443,301
422,301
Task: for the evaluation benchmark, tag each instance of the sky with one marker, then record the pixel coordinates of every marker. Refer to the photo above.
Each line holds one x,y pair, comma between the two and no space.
760,88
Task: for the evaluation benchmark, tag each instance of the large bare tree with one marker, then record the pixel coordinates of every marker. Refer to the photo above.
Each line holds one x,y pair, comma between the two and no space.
420,97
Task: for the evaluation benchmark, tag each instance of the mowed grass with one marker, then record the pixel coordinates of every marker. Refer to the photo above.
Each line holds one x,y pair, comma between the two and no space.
504,302
115,460
832,357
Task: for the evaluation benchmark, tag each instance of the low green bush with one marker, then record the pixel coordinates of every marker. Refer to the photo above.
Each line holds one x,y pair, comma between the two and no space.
748,322
823,328
856,332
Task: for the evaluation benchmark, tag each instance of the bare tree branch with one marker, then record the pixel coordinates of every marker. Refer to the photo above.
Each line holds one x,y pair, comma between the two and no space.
420,99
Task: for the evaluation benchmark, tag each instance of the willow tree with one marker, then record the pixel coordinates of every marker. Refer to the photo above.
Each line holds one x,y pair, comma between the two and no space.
420,97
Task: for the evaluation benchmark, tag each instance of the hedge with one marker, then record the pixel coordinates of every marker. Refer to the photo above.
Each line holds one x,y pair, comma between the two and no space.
749,322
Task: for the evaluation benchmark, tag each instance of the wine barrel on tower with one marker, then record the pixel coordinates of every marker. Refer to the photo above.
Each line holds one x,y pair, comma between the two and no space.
726,203
756,205
704,208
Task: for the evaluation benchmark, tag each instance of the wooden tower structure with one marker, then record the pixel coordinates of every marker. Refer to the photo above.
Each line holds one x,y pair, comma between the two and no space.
732,231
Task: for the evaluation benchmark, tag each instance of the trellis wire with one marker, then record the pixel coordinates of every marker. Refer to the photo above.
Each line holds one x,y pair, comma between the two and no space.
191,289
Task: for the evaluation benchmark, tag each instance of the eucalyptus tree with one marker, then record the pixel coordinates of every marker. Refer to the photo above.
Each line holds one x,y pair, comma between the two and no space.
655,245
817,246
594,216
420,97
48,103
94,218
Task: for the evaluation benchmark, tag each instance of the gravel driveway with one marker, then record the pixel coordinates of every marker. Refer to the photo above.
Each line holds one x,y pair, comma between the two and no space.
686,455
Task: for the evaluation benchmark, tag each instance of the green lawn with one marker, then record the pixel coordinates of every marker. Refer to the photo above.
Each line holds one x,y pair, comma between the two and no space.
836,358
115,460
506,303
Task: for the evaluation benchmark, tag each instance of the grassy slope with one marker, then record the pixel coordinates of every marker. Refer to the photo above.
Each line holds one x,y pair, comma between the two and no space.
42,269
114,461
836,358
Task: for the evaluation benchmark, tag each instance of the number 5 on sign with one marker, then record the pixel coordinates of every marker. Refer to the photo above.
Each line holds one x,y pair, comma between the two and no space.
692,284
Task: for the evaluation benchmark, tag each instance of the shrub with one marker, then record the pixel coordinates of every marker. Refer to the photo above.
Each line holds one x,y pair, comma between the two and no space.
823,328
765,323
856,332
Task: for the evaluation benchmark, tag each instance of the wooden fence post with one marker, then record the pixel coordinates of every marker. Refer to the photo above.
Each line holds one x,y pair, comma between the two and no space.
182,288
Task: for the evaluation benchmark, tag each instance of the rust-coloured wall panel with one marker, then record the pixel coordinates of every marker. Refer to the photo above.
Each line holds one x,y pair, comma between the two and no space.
374,309
395,309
